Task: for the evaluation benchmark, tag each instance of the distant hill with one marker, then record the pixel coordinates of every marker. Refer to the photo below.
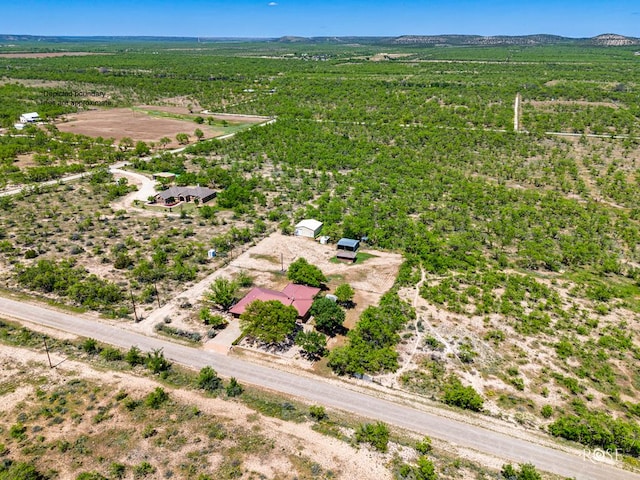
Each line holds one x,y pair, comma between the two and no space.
607,39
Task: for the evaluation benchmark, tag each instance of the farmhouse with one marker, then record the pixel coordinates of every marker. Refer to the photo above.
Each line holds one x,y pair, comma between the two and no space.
174,195
299,296
308,228
29,117
348,249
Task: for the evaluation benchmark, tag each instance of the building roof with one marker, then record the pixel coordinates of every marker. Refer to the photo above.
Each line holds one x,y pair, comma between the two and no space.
33,115
174,192
298,296
309,223
348,243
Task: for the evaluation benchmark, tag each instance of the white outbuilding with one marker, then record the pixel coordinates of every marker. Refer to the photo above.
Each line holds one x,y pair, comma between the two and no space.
308,228
29,117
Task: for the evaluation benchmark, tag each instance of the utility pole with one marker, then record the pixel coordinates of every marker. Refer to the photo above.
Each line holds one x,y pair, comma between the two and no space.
135,313
46,348
155,288
281,262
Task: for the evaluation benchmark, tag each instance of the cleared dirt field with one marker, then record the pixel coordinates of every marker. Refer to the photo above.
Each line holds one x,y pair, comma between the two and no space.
123,122
50,54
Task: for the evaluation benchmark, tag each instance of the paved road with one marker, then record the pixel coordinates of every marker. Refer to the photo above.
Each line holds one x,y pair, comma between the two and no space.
330,395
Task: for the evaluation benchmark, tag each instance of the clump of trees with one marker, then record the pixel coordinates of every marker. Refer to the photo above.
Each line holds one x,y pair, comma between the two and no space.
456,394
375,434
371,344
223,293
270,322
345,294
524,472
598,429
302,272
65,279
313,344
328,316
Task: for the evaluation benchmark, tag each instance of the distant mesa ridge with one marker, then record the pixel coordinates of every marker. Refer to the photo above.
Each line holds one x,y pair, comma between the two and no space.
606,39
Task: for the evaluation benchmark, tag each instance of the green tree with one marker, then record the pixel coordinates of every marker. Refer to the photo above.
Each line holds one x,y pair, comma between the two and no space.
141,149
317,412
90,345
208,379
223,293
199,134
304,273
134,356
345,294
234,389
156,398
164,141
458,395
314,344
182,138
18,470
270,322
525,472
376,435
156,362
327,315
424,470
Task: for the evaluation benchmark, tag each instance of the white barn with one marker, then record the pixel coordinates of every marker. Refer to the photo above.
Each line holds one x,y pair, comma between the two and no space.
29,117
308,228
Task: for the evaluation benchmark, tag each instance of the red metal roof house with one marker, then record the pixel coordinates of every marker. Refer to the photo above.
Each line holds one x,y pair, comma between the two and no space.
299,296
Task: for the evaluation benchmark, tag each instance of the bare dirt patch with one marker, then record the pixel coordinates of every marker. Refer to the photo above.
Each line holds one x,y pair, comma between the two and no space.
50,54
124,122
371,279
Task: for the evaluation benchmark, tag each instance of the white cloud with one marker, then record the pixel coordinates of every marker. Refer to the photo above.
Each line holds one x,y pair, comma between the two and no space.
272,4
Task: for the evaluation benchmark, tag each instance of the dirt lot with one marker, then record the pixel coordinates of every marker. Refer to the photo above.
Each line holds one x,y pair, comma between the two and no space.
370,279
123,122
48,55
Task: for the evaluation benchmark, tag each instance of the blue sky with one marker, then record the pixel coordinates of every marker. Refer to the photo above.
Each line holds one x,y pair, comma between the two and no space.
275,18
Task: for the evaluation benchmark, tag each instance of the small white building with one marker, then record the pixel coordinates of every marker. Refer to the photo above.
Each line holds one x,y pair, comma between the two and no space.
29,117
18,126
308,228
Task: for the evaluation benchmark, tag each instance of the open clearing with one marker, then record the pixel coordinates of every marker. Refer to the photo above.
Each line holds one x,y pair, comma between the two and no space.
50,54
370,279
124,122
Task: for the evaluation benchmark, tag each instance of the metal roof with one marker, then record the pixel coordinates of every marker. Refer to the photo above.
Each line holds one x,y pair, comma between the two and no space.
348,243
309,223
298,296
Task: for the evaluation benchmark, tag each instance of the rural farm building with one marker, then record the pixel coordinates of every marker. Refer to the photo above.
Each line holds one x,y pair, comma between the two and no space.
173,195
308,228
166,176
299,296
29,117
348,249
